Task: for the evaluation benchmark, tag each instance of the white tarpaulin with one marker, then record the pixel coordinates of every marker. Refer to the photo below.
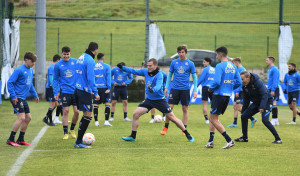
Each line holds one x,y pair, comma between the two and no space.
285,45
157,48
10,51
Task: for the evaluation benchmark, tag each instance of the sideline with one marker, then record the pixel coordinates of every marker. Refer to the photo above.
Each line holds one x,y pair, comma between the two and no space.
22,158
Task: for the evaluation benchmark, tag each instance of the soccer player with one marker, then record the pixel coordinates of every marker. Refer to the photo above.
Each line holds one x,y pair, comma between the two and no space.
206,78
181,68
85,86
64,79
49,93
238,99
154,98
254,90
273,86
19,84
225,80
103,84
292,88
120,81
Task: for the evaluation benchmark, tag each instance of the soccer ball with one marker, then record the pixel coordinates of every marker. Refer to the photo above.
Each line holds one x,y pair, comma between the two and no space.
158,119
88,139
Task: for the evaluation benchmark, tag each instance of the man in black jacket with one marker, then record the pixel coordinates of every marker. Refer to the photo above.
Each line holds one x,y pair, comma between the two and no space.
255,90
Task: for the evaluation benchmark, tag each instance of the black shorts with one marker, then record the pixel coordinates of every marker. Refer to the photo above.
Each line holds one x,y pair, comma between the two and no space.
83,100
293,97
219,104
104,97
179,95
120,91
21,106
239,100
206,94
67,99
161,105
276,97
50,95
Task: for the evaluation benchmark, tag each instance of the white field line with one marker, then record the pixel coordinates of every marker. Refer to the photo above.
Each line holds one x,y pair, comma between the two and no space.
22,158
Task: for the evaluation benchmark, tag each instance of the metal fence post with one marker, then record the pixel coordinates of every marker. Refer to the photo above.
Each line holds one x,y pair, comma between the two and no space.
147,32
110,49
268,42
58,40
215,42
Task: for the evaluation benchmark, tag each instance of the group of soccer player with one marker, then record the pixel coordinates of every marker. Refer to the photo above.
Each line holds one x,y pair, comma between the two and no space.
75,81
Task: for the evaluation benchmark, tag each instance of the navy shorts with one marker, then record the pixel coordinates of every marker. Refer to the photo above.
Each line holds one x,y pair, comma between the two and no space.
67,99
293,96
206,94
219,104
179,95
50,95
276,97
161,105
83,100
239,100
21,106
104,97
120,91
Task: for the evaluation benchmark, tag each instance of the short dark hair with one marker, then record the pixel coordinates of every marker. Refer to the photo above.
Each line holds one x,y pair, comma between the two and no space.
153,60
122,63
245,73
292,64
207,59
182,47
222,50
65,49
99,56
237,59
271,58
93,46
56,57
30,56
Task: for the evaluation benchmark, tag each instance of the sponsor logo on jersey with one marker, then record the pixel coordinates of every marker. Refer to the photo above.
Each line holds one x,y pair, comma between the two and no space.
68,73
229,68
120,77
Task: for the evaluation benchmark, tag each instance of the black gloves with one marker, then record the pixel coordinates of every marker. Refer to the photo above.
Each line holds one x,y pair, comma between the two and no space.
120,66
150,89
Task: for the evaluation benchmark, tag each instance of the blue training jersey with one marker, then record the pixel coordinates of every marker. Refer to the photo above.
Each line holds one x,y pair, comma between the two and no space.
164,79
102,75
292,82
85,75
273,78
50,75
20,83
182,70
156,82
226,79
64,77
207,76
120,77
239,89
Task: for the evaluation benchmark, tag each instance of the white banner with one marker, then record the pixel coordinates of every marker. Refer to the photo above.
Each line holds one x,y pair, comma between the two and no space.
157,48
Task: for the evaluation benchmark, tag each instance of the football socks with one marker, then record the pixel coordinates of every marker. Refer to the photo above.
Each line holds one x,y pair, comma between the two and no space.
211,136
12,136
107,111
21,136
96,113
83,125
65,129
72,126
226,136
274,112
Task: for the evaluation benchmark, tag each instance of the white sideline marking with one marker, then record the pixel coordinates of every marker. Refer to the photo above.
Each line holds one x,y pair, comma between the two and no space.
22,158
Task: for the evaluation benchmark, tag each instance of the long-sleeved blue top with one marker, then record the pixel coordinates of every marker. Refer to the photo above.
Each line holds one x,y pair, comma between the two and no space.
292,82
120,77
85,74
226,79
20,83
64,77
103,75
155,82
273,78
207,76
239,89
164,79
50,76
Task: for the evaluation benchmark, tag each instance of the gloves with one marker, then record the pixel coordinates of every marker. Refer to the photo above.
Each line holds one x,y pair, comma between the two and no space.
150,89
120,66
285,92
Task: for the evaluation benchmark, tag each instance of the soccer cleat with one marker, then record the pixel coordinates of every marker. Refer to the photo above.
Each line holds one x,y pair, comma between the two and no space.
127,119
129,138
151,121
273,122
52,124
72,133
277,141
106,123
12,143
66,136
111,119
276,122
45,120
209,145
206,121
292,123
190,138
228,145
253,122
241,139
81,145
57,120
164,131
22,143
183,134
96,123
232,125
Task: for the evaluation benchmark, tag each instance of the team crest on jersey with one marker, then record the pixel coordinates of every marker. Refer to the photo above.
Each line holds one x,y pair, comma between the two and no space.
176,62
186,63
25,72
62,65
120,78
291,82
180,70
68,73
72,63
229,68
